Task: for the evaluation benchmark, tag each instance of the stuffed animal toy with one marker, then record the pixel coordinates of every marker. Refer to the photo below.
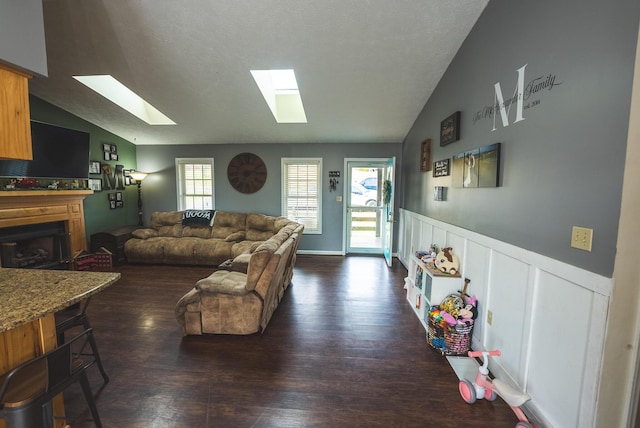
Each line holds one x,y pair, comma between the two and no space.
448,318
469,313
452,304
447,262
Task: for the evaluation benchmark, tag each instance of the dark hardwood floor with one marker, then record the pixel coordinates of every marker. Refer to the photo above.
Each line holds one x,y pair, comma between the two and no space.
343,349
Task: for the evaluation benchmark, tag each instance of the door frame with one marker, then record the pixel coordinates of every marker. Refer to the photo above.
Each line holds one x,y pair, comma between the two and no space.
346,186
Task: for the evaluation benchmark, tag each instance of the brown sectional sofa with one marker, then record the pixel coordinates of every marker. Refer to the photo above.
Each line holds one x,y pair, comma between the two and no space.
258,252
167,241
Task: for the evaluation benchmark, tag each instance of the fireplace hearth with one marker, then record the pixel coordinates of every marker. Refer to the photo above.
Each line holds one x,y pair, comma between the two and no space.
36,246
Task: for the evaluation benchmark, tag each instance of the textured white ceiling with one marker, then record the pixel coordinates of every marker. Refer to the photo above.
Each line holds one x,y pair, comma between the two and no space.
365,68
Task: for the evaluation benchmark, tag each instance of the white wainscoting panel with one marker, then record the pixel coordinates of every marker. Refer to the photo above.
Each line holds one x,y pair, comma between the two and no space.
549,318
507,299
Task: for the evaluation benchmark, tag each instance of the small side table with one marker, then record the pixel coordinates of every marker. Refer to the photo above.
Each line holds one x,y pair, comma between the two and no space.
113,240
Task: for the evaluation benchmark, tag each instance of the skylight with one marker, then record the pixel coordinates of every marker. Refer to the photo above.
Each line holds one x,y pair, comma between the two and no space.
116,92
280,90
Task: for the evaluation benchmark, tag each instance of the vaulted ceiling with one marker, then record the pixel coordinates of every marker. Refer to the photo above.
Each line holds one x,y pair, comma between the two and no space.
365,68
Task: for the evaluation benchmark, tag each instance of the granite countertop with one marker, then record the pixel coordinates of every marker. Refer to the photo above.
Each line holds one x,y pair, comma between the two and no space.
29,294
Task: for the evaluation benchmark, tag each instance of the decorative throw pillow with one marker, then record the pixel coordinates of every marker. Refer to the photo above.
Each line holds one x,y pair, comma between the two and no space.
198,217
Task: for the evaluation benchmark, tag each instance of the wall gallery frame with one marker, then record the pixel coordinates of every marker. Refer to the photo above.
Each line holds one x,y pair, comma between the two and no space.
94,167
450,129
425,155
95,184
442,168
477,168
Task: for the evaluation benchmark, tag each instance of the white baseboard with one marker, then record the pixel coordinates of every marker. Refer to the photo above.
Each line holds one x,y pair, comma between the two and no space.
320,253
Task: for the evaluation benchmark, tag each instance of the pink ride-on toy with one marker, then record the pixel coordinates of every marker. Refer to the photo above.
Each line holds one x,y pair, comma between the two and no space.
484,387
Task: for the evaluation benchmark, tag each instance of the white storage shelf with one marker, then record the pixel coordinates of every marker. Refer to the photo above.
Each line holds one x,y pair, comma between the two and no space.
426,288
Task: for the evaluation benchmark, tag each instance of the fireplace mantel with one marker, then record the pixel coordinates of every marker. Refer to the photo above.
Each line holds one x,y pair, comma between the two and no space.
23,207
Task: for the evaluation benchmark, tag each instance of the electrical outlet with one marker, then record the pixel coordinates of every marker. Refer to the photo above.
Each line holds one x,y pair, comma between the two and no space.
489,317
581,238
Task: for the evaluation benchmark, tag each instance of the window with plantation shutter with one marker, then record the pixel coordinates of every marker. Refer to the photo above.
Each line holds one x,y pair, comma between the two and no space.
302,192
195,183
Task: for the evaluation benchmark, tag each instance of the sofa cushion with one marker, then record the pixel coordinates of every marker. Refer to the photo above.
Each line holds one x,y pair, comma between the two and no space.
240,263
272,244
149,250
144,233
241,248
165,218
203,232
260,227
225,223
281,222
179,250
257,263
211,251
222,281
174,231
236,236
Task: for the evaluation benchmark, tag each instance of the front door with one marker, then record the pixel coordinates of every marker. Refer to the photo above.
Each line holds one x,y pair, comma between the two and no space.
366,214
388,186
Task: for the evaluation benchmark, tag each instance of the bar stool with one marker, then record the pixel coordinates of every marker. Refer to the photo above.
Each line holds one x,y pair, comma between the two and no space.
27,390
73,317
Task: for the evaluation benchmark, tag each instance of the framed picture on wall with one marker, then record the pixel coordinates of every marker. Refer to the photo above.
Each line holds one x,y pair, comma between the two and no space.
477,168
450,129
489,166
94,167
441,168
425,155
95,184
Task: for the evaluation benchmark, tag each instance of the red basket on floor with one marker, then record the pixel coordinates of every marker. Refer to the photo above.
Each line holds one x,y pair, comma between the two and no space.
100,261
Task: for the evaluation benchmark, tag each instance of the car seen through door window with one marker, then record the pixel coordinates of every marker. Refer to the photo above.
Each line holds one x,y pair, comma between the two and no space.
370,183
360,196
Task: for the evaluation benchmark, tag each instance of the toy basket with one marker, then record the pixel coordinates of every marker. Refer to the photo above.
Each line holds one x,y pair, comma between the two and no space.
100,261
435,334
449,339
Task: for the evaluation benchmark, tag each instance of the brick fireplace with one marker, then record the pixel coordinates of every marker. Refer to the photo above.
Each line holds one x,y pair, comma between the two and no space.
58,214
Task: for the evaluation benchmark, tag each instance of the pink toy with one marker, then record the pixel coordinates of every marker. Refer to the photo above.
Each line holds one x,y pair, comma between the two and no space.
448,318
484,387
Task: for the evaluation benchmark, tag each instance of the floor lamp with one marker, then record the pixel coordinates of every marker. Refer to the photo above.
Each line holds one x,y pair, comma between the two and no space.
139,176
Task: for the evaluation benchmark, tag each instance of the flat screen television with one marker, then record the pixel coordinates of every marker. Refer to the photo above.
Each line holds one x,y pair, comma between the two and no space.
57,153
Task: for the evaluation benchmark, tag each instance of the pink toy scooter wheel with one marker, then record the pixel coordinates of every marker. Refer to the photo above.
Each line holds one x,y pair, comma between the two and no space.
467,391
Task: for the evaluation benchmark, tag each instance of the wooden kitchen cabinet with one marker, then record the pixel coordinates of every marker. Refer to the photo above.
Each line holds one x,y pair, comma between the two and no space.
15,125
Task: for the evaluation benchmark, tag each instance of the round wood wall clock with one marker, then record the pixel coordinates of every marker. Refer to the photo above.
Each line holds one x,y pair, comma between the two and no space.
247,173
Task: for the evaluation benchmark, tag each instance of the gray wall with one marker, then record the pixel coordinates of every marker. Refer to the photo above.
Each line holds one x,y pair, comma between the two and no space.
159,189
562,165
